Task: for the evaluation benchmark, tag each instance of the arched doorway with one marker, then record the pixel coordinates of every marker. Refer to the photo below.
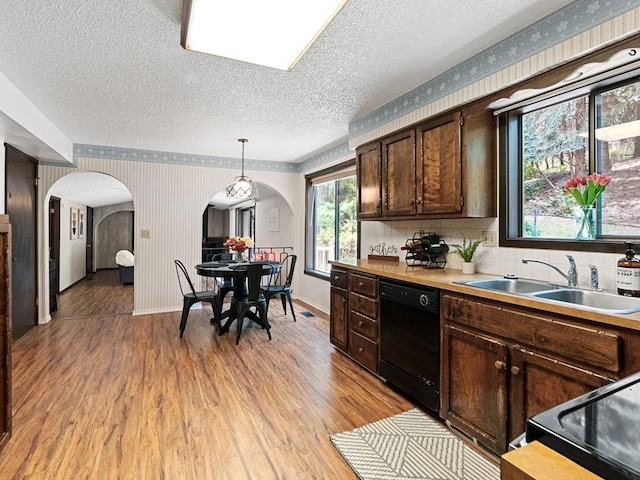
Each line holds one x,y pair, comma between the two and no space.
268,220
82,206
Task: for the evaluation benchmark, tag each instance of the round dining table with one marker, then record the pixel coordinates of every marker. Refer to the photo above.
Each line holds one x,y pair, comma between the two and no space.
233,271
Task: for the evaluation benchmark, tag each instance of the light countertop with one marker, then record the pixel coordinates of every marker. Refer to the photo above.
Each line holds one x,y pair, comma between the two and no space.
445,278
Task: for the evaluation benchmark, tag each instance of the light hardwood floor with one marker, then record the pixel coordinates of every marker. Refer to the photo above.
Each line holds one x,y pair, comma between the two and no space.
101,394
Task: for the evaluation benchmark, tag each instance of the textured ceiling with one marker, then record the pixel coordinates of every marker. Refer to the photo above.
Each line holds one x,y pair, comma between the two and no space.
113,72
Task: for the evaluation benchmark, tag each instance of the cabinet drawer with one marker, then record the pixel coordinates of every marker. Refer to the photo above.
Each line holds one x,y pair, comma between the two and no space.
365,305
364,325
585,344
363,284
339,277
363,350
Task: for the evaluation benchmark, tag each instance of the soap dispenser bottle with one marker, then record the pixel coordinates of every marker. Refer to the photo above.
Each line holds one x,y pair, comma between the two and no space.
628,273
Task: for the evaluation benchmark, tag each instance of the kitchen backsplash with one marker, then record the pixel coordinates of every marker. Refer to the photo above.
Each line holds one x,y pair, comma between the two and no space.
386,238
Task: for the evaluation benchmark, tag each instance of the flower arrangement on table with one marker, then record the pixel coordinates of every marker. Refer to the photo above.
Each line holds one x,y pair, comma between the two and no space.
586,191
239,245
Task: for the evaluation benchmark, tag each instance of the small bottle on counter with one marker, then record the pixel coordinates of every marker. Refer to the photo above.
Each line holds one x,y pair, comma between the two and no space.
628,273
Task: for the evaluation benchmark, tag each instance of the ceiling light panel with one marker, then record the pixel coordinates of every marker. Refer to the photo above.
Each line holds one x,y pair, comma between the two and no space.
272,33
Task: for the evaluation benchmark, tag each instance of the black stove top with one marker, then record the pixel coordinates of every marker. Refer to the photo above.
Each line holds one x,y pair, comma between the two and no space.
599,430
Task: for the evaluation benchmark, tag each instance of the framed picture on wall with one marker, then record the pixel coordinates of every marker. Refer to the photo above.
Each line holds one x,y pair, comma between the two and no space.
80,223
273,220
74,223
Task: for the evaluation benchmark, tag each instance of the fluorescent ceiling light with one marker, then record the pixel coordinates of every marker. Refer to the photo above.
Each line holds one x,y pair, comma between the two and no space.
273,33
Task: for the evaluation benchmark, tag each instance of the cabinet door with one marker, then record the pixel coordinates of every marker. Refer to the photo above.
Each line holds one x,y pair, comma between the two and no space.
399,174
368,163
338,326
474,385
539,383
439,171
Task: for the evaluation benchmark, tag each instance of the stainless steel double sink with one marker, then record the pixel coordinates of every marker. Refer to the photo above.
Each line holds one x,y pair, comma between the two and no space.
591,299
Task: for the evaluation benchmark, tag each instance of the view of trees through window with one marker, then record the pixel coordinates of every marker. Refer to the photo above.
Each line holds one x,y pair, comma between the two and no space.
335,222
555,147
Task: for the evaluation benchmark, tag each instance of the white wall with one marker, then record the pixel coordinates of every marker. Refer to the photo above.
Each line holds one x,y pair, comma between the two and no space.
279,231
73,252
492,260
169,201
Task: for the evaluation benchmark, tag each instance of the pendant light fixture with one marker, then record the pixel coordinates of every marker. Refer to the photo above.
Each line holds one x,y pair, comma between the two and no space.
242,188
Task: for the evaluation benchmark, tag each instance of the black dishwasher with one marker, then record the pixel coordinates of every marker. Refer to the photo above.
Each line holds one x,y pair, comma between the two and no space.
410,340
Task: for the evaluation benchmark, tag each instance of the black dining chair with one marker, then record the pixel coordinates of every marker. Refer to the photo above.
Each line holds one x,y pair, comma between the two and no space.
282,285
253,296
190,297
225,284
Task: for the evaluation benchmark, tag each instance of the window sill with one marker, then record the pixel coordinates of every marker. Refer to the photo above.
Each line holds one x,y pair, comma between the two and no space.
598,245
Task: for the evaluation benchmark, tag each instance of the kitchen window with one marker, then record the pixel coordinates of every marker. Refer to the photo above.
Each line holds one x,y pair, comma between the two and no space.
331,227
595,128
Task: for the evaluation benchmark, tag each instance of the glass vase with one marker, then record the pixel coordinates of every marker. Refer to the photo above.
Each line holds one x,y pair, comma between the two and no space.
585,222
239,257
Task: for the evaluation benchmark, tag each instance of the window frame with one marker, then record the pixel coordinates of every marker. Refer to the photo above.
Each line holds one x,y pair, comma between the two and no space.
347,167
510,170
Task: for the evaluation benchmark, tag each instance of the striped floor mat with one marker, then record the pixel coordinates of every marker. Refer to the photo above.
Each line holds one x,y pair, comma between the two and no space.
412,446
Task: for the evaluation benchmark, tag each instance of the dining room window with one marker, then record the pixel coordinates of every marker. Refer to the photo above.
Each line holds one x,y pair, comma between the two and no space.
545,144
332,227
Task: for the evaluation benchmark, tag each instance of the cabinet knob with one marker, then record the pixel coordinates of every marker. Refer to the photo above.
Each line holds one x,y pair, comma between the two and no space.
500,365
419,201
361,284
515,370
336,278
361,323
361,349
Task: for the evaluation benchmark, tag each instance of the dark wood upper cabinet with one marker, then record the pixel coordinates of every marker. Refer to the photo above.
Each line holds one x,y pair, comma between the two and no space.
439,175
399,174
444,167
368,164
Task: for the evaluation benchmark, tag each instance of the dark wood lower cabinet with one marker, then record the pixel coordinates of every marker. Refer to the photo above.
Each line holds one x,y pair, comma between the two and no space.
502,365
539,382
354,327
474,391
5,330
339,315
339,328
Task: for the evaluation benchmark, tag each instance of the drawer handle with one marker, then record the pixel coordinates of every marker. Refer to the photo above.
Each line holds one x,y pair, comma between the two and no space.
361,323
500,365
361,284
515,370
361,349
337,277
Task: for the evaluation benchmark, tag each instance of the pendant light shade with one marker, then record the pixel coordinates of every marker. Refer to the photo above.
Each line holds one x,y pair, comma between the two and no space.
242,188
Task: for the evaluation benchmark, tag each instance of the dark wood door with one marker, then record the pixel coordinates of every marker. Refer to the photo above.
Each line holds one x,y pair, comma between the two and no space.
399,174
5,330
21,172
54,253
369,193
474,386
89,237
539,383
439,171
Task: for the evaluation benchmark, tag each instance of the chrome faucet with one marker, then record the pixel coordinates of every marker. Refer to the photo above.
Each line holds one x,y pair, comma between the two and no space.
594,278
571,276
